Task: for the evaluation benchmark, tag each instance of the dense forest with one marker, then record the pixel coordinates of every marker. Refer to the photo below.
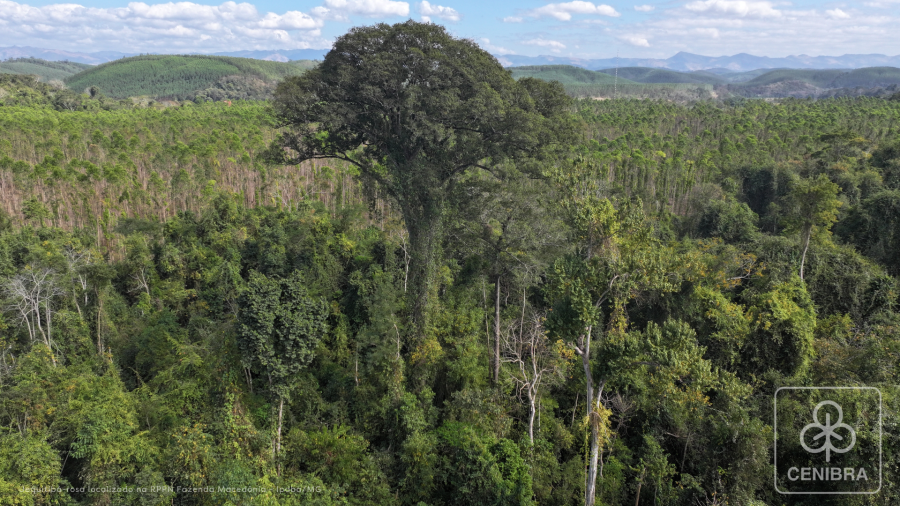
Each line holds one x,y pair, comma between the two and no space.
188,320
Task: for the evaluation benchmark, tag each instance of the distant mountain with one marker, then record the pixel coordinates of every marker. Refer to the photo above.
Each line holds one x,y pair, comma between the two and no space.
281,55
718,64
682,61
643,82
59,55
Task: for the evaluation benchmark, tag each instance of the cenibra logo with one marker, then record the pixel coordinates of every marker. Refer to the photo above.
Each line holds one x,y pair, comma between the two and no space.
827,440
828,431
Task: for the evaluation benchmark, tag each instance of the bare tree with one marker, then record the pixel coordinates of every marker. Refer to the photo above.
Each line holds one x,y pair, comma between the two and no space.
141,278
536,363
31,294
76,261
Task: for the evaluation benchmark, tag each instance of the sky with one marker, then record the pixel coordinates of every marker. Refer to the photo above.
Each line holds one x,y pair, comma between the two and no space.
581,29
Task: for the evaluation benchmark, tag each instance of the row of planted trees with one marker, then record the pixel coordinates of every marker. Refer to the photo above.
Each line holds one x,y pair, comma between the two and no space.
96,169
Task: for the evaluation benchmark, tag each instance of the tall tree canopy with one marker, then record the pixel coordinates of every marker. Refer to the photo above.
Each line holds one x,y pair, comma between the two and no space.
280,326
413,108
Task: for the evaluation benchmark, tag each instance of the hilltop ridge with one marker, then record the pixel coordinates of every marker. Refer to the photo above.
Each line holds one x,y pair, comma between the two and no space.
187,77
45,70
681,60
643,82
684,61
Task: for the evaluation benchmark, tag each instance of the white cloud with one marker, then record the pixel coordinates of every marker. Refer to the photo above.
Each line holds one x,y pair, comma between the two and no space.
707,32
837,14
739,8
564,11
644,8
172,26
291,20
724,29
512,19
369,8
438,11
554,45
491,48
635,40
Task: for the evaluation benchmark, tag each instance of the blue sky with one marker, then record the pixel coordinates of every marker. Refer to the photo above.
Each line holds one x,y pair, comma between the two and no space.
528,27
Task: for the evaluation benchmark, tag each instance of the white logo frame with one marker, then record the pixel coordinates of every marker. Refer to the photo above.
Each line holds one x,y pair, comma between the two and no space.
880,441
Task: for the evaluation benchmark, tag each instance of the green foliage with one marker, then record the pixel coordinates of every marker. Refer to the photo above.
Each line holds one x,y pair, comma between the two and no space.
814,205
470,115
783,337
872,228
46,70
728,219
474,470
812,210
181,77
35,210
340,460
280,327
28,463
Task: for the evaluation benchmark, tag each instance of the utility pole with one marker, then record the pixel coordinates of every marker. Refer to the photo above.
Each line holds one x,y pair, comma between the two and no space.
616,80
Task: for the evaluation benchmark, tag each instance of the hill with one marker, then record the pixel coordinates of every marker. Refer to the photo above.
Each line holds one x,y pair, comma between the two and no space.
582,83
184,77
565,74
868,78
873,81
45,70
656,76
24,90
741,77
821,78
645,82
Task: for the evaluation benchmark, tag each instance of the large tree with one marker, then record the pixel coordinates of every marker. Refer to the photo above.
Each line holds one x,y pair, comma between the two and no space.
279,326
618,259
812,208
415,108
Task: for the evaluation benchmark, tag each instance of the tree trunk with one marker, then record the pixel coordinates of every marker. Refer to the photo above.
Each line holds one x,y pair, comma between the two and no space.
497,332
424,237
637,497
591,477
805,249
280,418
593,466
533,410
590,489
99,321
49,332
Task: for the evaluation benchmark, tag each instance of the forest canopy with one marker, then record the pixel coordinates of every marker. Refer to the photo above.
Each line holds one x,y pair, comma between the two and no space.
611,316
